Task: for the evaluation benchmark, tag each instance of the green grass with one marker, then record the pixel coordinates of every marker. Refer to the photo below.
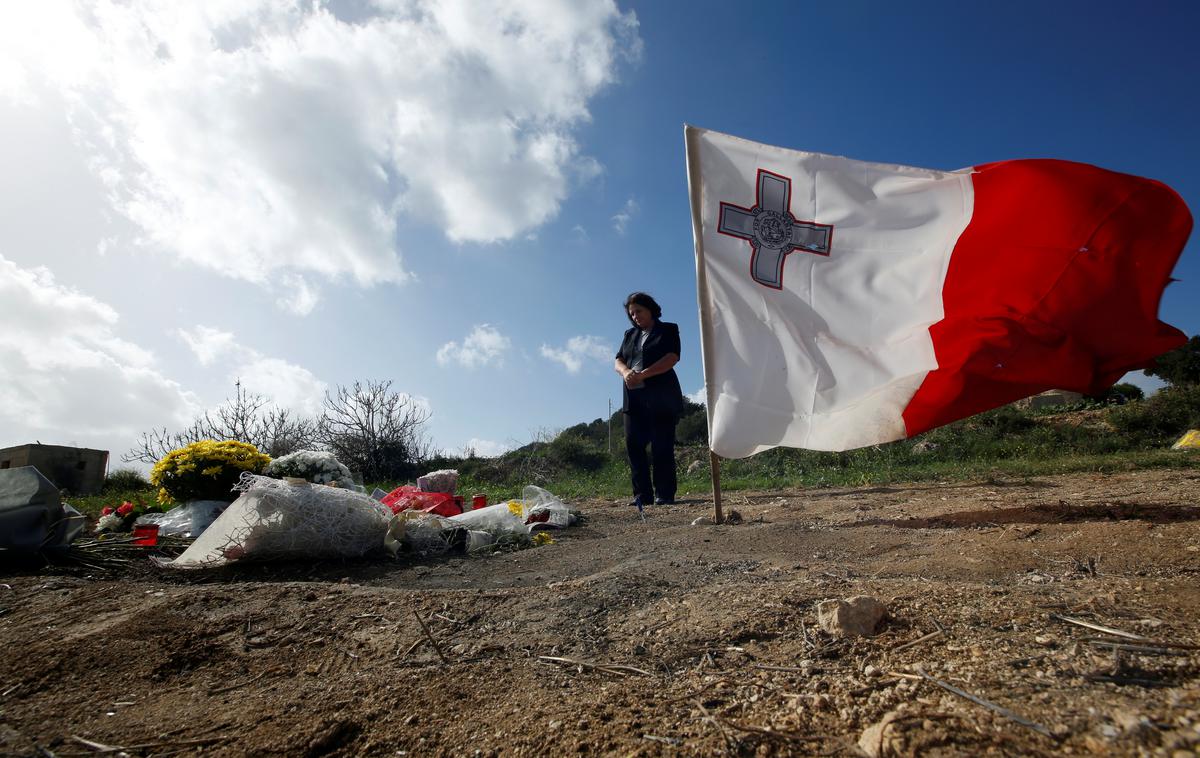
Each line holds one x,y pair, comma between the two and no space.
91,505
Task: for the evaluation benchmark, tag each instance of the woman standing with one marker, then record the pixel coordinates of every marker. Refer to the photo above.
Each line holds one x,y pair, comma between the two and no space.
652,399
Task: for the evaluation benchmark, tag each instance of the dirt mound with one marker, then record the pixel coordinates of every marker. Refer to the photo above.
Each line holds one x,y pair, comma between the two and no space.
652,638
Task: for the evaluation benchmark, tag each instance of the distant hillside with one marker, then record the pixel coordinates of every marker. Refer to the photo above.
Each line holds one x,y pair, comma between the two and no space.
1089,434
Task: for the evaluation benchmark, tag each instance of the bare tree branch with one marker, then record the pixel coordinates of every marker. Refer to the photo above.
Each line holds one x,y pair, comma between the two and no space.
246,417
374,430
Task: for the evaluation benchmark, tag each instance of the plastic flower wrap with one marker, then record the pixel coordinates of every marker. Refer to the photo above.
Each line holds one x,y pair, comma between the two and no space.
316,466
443,480
205,470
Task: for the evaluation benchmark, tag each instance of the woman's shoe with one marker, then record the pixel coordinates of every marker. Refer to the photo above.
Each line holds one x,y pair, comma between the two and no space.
663,501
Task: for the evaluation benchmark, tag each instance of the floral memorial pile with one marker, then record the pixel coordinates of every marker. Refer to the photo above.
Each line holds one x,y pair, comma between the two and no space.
237,504
510,525
306,506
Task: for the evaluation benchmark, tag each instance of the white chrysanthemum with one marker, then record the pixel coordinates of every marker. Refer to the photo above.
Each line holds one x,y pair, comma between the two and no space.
316,466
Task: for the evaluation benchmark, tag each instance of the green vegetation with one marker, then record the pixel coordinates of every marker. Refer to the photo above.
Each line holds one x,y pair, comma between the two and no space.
1094,435
1179,367
125,480
1007,442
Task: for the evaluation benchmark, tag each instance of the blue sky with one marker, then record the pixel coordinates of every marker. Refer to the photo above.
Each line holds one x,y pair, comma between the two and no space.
302,197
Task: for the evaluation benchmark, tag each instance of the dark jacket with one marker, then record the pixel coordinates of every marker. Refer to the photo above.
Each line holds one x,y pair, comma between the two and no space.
659,394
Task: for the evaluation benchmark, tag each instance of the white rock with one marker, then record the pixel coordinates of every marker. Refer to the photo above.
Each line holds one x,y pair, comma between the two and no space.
879,739
1132,723
858,616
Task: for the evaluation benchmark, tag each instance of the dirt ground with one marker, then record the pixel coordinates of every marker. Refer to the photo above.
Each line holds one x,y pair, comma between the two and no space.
654,638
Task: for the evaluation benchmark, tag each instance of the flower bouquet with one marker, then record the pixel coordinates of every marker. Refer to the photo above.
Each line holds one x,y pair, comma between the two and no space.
118,519
205,470
316,466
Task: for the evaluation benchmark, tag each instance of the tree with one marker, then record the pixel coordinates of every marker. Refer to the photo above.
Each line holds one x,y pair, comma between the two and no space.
1181,366
374,430
1125,391
246,417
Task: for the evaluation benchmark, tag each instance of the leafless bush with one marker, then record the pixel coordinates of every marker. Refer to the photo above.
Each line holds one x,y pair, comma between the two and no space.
374,430
246,417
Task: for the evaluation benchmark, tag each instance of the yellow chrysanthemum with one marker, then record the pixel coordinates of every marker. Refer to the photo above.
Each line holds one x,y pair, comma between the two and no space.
203,470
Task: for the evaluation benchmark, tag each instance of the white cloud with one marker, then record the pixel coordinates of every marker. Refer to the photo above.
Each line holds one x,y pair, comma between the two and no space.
622,217
699,396
284,384
280,142
578,350
483,346
486,448
287,385
208,344
65,374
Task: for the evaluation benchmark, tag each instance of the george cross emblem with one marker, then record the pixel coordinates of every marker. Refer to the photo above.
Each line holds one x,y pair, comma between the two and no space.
772,230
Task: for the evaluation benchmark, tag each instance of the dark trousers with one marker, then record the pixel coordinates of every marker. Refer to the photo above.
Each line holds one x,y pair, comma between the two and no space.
658,431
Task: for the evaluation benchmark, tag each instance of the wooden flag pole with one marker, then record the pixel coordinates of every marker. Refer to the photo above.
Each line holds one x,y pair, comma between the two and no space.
715,464
702,297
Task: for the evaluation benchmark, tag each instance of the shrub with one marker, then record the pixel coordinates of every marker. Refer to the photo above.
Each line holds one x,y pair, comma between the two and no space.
123,480
1160,418
205,470
1127,392
570,451
693,427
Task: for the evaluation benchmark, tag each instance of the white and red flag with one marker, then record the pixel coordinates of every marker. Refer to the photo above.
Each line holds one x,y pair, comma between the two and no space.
845,304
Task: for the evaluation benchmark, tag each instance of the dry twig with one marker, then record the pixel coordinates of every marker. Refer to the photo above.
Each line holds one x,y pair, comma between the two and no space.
1150,649
1147,643
665,740
1097,627
773,734
990,706
411,648
1114,679
608,668
429,636
699,692
231,687
730,743
924,638
100,747
792,669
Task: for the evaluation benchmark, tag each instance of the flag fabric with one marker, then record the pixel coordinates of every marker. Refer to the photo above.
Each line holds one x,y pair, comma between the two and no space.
845,303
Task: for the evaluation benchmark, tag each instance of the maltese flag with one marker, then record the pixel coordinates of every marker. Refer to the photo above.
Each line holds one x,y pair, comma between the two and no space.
845,304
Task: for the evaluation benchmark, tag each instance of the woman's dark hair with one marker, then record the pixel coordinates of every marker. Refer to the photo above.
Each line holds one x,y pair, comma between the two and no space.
644,300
